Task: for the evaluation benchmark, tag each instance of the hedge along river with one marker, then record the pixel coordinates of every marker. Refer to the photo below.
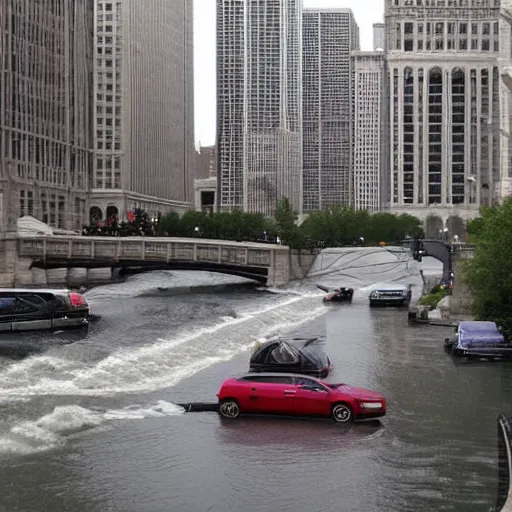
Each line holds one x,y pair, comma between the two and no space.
92,425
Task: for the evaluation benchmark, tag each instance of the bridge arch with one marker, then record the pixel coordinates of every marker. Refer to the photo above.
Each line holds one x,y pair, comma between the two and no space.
254,274
437,249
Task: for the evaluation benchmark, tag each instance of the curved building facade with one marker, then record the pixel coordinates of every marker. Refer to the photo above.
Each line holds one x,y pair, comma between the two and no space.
444,104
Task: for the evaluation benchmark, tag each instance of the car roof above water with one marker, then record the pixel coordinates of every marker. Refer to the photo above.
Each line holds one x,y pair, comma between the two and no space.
58,291
475,326
273,374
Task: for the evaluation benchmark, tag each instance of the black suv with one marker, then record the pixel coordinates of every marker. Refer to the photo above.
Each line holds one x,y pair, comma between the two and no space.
39,310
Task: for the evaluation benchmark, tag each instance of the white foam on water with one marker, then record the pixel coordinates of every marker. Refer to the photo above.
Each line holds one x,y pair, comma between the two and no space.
284,291
142,284
158,365
52,430
158,410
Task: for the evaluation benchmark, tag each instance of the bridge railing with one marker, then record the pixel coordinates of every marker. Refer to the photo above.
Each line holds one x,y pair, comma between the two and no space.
147,249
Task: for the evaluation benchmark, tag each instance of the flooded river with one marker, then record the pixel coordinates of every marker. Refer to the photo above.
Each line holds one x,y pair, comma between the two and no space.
91,426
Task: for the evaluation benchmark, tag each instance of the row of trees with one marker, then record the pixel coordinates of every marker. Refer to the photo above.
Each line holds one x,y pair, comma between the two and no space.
334,227
489,272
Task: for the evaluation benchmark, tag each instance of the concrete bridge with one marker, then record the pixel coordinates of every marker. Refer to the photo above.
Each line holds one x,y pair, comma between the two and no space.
76,260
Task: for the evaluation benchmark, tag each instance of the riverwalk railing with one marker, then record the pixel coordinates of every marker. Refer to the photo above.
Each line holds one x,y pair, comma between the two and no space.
504,498
148,249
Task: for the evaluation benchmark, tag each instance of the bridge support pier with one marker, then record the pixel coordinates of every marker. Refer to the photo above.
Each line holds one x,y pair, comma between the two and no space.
11,265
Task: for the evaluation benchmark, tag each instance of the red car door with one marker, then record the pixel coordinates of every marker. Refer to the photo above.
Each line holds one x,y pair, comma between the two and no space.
272,394
311,397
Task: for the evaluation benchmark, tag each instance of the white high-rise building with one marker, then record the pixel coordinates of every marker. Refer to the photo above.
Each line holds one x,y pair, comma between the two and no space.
444,108
144,107
259,104
370,129
379,36
505,65
329,35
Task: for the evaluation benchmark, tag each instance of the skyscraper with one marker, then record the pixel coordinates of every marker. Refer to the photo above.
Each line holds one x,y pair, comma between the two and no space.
505,66
445,112
144,133
370,129
259,104
379,36
329,35
45,111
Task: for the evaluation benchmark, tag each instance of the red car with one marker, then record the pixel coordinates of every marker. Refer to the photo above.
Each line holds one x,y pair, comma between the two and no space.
299,395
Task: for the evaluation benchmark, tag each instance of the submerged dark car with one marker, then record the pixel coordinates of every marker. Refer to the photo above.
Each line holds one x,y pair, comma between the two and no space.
477,339
392,294
341,294
297,356
40,310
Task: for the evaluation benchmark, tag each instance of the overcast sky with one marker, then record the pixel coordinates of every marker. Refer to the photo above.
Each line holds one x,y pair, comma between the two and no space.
366,13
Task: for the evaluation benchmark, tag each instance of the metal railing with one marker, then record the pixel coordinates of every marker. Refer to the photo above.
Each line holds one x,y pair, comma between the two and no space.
504,498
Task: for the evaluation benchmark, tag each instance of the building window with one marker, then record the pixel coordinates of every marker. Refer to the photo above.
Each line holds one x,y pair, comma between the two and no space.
435,114
458,136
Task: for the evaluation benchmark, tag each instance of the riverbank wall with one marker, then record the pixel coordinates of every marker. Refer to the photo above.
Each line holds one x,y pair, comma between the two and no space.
451,309
301,262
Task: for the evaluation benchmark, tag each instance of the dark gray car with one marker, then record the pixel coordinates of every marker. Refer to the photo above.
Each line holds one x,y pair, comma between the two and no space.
40,310
392,294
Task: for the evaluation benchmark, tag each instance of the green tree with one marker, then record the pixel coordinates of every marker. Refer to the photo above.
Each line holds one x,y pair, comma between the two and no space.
489,272
474,226
170,225
286,224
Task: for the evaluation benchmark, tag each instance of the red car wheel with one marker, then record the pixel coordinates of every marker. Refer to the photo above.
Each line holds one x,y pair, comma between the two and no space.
229,408
342,413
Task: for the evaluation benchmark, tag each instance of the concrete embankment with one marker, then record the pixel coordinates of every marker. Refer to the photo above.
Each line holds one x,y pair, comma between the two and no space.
450,310
359,267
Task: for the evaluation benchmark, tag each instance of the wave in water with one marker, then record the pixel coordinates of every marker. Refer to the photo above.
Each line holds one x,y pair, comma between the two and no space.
52,430
158,365
149,283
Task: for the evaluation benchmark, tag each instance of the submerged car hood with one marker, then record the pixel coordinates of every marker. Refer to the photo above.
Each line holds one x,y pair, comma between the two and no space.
390,287
356,392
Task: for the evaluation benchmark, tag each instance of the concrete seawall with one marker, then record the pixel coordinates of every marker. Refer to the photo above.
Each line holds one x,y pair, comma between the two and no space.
363,266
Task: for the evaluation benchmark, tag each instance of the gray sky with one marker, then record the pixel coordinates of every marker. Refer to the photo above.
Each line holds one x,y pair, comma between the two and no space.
366,13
